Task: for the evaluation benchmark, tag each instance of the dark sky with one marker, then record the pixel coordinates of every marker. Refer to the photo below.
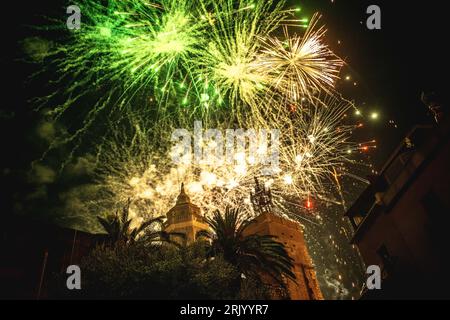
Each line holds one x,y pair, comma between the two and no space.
392,65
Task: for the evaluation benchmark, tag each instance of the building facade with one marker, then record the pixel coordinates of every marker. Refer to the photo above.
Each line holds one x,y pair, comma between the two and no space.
401,220
288,232
185,217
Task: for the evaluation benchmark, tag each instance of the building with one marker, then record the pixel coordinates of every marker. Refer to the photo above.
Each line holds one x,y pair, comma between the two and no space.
306,286
31,253
401,220
185,217
288,232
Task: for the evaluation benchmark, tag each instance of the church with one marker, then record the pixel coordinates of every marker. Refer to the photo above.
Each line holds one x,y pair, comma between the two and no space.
185,217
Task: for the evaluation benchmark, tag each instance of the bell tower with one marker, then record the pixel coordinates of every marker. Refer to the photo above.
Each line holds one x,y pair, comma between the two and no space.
288,232
185,217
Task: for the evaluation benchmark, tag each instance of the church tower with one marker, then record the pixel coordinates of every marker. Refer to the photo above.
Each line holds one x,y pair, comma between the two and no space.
288,232
185,217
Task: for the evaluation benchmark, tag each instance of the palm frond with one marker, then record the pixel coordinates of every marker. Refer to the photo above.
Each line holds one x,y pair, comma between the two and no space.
252,253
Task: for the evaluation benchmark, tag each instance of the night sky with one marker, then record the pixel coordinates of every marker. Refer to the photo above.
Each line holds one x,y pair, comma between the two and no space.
391,67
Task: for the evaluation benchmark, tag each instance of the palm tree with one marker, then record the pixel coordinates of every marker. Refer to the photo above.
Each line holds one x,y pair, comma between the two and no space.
254,255
118,228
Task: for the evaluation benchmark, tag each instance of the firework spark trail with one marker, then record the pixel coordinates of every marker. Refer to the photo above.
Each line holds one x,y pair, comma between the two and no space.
184,59
300,66
130,53
215,60
229,62
311,149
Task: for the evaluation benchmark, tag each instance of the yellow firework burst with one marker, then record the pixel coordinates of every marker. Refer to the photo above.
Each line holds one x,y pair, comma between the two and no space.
300,66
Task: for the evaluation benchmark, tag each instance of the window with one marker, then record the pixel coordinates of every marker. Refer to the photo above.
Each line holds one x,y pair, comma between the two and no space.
387,260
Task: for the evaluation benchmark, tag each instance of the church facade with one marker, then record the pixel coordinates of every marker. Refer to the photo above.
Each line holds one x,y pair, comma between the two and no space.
185,217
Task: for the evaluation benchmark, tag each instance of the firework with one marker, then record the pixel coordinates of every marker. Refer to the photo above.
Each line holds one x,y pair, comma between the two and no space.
300,66
128,53
312,153
175,61
184,59
229,62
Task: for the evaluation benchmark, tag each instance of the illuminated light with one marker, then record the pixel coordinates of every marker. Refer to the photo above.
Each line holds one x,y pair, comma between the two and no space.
348,78
195,187
204,97
240,157
105,32
269,183
220,183
159,189
288,179
349,151
134,181
309,204
358,112
374,116
262,150
208,178
232,184
147,194
240,169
